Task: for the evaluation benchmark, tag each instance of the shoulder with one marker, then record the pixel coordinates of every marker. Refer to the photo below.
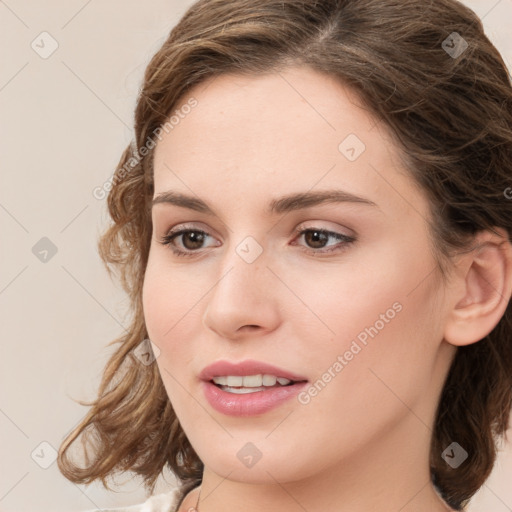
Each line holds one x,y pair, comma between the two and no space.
165,502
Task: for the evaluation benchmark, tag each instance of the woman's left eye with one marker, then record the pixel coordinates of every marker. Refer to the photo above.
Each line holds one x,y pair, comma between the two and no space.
316,238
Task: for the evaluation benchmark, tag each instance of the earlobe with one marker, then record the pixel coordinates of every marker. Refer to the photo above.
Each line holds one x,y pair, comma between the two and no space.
483,290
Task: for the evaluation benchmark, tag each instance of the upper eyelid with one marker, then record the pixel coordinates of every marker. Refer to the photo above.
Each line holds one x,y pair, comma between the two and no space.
184,227
187,227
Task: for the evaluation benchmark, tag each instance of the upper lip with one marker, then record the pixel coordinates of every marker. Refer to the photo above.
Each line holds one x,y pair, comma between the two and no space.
247,367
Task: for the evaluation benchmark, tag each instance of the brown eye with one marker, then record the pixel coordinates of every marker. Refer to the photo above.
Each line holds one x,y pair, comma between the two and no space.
192,239
316,239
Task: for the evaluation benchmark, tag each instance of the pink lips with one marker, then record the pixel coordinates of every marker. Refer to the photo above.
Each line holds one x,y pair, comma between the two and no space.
248,404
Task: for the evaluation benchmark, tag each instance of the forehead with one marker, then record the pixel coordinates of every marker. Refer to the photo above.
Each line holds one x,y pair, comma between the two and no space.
292,105
289,130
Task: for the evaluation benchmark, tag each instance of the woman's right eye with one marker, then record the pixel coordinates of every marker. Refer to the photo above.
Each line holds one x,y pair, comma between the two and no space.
191,240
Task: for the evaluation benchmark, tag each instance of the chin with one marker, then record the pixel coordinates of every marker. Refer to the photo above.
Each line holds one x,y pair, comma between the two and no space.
258,463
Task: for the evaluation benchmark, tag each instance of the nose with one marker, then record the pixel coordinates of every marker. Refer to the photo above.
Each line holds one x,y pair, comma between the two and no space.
243,301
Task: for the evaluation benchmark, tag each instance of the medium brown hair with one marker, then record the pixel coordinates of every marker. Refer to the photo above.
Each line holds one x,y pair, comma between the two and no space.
451,116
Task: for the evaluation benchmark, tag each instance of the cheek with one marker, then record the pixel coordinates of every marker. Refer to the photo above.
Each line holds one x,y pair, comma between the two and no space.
171,303
171,313
375,316
352,300
383,349
168,297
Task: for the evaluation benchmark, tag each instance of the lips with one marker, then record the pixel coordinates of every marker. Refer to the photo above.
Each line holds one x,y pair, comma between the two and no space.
247,367
246,401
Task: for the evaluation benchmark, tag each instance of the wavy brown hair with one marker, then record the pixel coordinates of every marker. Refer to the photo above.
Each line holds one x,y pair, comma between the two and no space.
450,115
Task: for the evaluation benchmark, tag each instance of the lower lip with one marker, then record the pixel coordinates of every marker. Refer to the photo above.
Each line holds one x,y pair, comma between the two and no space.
249,404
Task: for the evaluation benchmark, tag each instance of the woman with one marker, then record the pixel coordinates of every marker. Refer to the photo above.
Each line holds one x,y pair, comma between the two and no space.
313,226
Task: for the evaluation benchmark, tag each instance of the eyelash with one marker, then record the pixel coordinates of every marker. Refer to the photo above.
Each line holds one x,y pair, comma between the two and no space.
169,238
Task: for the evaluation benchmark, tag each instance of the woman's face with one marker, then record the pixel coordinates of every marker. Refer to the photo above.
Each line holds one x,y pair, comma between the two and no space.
355,310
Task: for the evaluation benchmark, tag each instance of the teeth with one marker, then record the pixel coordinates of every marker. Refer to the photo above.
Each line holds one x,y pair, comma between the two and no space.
250,381
233,380
269,380
242,391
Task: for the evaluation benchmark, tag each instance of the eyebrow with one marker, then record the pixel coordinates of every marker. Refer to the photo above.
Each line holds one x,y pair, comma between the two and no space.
283,204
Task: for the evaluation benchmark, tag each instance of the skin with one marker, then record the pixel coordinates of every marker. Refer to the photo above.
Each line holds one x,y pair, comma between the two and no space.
362,443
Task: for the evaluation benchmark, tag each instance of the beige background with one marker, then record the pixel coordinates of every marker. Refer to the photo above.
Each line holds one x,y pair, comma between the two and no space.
66,119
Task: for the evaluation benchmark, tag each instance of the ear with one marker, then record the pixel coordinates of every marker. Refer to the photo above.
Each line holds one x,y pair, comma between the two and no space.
481,289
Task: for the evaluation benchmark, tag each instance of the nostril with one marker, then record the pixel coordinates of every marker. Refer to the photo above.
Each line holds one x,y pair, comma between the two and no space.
250,327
